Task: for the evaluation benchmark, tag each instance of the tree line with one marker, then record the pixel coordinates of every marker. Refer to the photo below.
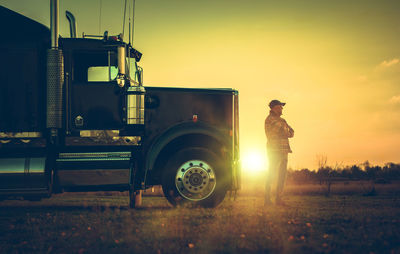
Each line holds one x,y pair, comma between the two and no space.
364,171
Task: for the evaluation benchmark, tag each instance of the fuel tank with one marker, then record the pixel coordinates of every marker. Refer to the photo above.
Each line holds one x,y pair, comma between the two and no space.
23,176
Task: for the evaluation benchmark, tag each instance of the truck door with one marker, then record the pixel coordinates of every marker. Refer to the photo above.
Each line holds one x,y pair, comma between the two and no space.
95,99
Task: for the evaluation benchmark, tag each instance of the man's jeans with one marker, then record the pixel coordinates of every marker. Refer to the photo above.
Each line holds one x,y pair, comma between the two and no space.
277,170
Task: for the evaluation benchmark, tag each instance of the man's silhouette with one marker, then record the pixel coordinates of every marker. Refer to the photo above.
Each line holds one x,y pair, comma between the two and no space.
278,133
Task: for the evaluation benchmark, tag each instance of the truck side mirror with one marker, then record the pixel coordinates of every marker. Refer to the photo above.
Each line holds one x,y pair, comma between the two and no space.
140,75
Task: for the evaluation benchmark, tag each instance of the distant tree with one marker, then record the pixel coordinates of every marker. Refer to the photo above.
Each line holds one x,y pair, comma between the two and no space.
326,174
322,161
356,172
306,174
346,173
323,171
372,172
302,176
391,171
369,172
365,165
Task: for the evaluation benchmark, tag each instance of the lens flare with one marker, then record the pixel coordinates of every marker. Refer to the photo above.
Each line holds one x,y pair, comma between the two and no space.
254,162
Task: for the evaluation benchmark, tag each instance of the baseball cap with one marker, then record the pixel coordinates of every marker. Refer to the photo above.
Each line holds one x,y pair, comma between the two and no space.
276,102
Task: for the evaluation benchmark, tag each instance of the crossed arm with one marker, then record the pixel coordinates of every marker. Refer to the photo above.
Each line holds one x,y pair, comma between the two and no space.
279,129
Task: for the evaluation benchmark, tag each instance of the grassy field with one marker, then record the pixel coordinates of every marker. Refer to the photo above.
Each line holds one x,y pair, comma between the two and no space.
102,223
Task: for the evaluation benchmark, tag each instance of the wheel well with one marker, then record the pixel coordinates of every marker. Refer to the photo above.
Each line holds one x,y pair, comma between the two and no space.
189,140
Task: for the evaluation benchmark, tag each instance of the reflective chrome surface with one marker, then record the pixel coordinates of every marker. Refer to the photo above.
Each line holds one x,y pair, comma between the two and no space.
135,110
94,156
20,134
102,138
72,24
54,28
122,60
22,165
195,180
20,176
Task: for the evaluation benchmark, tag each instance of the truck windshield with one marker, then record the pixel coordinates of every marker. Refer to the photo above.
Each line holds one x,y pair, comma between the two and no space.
103,67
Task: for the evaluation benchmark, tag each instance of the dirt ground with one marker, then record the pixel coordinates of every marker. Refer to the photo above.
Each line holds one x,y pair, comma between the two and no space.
310,222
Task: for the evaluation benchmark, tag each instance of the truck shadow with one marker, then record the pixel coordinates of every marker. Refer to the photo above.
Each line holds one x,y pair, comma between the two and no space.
10,208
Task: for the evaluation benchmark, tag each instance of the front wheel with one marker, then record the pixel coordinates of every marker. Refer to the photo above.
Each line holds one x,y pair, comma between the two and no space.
195,175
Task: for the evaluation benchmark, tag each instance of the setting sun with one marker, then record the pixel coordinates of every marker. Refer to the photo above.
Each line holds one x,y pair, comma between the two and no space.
254,161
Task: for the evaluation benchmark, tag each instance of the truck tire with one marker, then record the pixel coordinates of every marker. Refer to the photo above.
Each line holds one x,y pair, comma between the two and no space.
195,175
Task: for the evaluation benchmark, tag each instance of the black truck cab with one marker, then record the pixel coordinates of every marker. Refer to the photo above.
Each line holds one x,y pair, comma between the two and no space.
77,117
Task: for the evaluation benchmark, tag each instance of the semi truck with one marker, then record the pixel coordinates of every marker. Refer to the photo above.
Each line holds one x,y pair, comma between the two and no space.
76,117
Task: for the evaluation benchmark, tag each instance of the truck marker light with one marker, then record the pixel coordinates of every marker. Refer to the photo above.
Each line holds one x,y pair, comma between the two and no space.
195,118
79,121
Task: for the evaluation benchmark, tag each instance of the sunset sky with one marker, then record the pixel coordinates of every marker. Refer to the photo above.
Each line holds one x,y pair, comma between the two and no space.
335,63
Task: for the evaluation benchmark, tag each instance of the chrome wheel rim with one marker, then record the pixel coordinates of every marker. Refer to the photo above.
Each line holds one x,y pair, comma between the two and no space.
195,180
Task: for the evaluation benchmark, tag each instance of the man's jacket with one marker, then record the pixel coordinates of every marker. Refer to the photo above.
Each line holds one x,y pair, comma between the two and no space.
278,133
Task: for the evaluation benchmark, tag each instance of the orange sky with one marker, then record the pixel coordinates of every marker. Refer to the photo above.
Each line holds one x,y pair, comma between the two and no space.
335,63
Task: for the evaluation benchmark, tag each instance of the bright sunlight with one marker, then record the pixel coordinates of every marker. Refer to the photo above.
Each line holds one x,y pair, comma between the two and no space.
254,162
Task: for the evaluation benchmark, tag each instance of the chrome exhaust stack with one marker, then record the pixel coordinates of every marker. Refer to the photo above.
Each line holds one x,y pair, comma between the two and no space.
54,10
55,74
72,24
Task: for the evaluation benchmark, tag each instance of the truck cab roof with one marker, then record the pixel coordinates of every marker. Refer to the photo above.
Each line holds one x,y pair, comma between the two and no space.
87,44
72,44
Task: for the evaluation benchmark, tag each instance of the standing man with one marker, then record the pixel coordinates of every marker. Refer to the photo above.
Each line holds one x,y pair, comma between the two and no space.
278,133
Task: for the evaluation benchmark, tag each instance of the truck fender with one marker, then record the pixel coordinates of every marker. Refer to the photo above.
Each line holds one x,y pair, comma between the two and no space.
183,129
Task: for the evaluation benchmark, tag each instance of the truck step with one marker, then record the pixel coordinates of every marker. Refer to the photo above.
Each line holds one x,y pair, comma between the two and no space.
102,169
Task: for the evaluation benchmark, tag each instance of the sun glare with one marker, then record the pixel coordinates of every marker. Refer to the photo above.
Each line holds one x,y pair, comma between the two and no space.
254,162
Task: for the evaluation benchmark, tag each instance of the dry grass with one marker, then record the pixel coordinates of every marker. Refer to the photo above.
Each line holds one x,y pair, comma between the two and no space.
102,223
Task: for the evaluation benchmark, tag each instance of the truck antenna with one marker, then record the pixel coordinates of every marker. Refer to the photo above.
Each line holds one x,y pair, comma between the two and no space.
123,22
129,23
100,18
133,19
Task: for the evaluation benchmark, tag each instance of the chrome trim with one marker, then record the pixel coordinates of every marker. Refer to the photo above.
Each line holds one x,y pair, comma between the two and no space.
98,133
94,159
103,141
72,24
23,190
22,165
95,155
20,134
54,28
135,105
195,180
122,60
